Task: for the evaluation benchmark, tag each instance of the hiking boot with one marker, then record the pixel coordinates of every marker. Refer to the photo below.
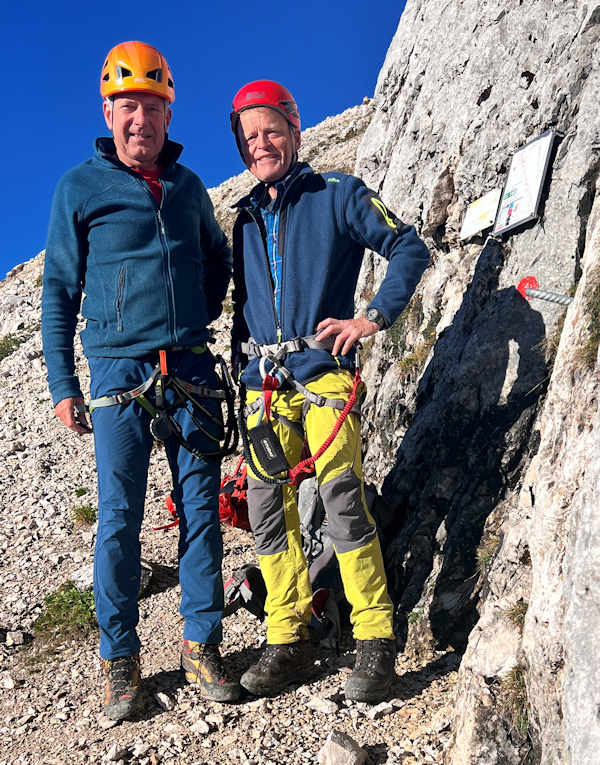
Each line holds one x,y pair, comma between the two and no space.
373,672
203,666
279,666
122,697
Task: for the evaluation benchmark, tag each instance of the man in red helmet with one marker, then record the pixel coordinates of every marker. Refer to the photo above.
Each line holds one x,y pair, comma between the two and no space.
299,241
135,230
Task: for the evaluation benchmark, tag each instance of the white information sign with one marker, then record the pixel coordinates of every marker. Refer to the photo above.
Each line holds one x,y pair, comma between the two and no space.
523,189
480,214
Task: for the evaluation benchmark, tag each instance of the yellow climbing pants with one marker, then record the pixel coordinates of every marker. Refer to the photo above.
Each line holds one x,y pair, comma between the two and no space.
275,522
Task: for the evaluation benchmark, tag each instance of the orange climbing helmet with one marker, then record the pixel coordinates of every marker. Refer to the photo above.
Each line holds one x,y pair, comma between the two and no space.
136,66
265,93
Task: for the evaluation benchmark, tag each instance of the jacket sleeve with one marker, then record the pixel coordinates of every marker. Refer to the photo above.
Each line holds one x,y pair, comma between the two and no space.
374,227
217,265
64,272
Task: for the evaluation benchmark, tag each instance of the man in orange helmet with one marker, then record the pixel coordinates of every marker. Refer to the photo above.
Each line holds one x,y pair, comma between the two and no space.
299,242
135,231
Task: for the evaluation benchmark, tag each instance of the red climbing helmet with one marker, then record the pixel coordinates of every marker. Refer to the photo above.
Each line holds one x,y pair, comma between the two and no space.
265,93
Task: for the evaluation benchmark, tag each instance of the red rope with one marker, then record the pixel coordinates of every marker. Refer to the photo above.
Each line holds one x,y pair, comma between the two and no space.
307,466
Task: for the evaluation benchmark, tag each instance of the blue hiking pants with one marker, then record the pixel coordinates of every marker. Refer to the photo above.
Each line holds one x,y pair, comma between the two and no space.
123,442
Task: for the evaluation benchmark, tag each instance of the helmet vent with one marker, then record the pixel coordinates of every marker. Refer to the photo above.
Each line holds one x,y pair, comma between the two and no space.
106,77
121,72
290,107
155,74
170,81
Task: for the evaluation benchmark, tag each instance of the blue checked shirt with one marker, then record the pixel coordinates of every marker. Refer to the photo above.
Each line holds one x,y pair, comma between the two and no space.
270,209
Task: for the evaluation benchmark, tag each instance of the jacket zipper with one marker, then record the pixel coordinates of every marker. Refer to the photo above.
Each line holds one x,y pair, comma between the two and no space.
120,298
280,334
269,282
165,249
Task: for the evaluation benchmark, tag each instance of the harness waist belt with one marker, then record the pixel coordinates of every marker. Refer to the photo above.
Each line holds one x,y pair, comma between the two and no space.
130,395
278,350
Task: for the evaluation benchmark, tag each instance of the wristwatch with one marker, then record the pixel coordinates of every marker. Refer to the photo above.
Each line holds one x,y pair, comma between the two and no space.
374,315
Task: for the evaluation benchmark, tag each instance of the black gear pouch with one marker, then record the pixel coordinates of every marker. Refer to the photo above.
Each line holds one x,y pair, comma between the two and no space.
268,449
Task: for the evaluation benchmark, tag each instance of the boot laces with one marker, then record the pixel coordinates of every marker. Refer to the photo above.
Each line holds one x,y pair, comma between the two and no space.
370,655
119,673
209,656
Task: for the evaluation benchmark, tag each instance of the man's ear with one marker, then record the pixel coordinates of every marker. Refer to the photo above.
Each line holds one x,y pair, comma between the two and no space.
107,108
168,115
298,138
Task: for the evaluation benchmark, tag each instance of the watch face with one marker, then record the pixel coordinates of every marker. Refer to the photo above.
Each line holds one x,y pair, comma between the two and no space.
374,315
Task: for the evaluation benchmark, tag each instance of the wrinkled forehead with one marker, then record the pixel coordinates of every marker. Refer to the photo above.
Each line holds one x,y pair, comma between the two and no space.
146,99
261,117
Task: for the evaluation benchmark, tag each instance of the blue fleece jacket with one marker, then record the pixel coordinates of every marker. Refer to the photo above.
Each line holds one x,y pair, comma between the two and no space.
327,222
152,276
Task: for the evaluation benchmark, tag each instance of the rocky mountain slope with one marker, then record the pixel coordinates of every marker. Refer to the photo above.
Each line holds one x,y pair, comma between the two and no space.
481,425
481,422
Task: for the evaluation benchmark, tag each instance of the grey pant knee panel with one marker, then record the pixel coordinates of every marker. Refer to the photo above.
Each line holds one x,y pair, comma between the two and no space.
267,517
347,523
348,526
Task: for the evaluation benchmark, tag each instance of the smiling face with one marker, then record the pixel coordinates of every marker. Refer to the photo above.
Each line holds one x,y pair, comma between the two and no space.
268,143
139,123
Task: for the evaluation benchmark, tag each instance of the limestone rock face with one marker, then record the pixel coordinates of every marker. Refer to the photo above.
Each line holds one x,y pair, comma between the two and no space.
490,450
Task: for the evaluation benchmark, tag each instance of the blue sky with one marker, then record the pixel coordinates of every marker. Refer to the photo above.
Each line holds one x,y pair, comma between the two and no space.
327,53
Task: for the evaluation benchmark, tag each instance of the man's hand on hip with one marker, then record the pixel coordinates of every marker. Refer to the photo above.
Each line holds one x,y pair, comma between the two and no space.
348,331
76,421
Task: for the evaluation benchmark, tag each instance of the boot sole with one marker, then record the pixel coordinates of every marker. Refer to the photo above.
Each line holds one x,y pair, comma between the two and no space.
369,695
221,694
124,709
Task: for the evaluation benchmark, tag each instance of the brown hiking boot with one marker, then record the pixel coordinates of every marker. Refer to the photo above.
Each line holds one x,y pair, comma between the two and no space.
122,696
373,672
203,666
279,666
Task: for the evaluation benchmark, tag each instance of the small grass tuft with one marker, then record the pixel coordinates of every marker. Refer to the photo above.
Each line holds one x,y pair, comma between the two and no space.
414,616
485,554
412,364
9,344
84,515
589,351
67,613
517,612
81,491
516,704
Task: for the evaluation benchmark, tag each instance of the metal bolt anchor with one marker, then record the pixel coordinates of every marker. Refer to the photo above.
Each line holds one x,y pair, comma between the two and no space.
529,287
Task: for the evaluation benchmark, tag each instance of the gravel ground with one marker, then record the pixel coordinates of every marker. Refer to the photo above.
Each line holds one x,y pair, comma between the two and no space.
50,700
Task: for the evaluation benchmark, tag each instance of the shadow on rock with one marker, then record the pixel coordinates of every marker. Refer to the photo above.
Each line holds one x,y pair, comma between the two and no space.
465,449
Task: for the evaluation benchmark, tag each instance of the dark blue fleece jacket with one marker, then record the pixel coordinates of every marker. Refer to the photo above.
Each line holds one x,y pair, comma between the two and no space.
327,221
152,277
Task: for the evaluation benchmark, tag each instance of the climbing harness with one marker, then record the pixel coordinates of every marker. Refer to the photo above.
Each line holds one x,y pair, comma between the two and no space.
262,437
163,425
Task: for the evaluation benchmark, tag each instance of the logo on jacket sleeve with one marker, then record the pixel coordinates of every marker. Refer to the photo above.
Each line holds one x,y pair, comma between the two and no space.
382,212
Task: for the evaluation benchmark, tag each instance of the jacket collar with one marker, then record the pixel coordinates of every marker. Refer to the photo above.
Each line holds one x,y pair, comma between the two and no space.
171,151
247,203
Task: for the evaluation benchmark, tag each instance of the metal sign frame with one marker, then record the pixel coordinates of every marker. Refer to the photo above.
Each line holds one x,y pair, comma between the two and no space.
523,188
